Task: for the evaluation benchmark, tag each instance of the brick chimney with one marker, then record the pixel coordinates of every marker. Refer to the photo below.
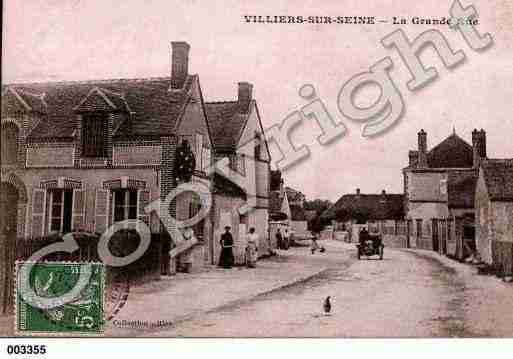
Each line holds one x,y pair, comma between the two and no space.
244,97
478,146
422,144
357,191
383,192
179,63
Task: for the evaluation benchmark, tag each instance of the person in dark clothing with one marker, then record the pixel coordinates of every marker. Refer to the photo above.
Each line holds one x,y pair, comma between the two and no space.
226,258
279,239
364,235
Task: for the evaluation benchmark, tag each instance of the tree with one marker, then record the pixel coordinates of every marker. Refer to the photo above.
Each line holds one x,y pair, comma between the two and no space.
316,224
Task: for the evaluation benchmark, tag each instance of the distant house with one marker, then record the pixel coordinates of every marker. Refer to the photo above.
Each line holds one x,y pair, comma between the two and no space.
298,219
494,212
279,207
439,188
379,213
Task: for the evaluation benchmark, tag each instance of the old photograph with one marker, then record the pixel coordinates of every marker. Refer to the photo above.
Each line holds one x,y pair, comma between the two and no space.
270,169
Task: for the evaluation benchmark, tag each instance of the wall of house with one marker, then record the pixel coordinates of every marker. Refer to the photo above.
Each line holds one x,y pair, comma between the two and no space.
503,221
194,123
123,155
427,186
483,225
259,219
92,180
50,155
299,228
225,214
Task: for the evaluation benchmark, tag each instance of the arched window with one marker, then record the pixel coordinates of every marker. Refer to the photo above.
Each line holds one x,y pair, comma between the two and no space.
9,143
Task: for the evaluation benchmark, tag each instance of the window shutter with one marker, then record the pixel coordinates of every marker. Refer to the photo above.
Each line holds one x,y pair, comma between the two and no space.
38,212
101,210
199,147
79,201
143,200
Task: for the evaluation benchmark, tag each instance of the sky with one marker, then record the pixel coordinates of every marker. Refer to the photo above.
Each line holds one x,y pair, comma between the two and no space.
58,40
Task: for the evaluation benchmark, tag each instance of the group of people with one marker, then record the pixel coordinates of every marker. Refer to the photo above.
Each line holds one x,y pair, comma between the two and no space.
227,259
283,240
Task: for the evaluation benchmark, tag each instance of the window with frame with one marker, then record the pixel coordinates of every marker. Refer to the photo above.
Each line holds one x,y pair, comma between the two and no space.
419,227
61,207
258,146
94,131
125,204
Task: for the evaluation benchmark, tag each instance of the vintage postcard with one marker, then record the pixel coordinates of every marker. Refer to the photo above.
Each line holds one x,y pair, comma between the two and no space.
276,169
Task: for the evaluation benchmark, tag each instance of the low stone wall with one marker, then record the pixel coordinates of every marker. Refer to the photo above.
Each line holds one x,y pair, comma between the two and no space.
395,241
502,255
342,236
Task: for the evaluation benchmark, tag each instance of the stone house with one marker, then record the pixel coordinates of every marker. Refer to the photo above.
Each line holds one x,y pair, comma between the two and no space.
494,212
378,213
82,155
238,136
439,187
88,154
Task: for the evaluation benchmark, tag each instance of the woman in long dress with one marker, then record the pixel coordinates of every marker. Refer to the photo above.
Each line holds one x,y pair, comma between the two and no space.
226,259
252,249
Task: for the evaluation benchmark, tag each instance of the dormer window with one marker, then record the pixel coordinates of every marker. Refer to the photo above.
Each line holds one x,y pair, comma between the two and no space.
9,143
94,134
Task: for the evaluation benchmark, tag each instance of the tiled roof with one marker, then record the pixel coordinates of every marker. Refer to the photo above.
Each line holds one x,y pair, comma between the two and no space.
224,186
461,187
453,152
35,102
227,121
373,206
498,175
297,213
294,195
155,109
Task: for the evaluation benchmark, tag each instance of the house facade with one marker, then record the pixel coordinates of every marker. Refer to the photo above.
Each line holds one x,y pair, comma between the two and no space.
494,213
81,156
238,138
88,154
439,188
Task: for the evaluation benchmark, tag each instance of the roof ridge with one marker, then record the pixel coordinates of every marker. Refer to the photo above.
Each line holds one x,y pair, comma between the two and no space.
219,102
449,137
92,81
498,160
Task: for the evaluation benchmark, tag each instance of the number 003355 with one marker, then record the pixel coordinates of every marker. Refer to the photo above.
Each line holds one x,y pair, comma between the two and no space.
26,349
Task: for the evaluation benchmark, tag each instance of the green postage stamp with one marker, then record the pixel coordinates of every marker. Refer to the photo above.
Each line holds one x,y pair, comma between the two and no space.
60,298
